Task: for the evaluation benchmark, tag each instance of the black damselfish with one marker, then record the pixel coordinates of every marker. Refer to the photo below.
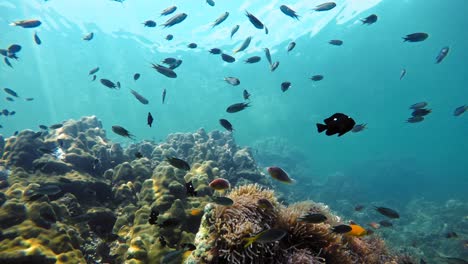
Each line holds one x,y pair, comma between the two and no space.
336,124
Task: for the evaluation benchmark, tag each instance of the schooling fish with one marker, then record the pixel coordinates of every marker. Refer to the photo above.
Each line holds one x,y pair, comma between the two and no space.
267,55
93,71
178,163
149,119
56,126
30,23
234,30
10,99
279,174
37,40
192,45
460,110
244,45
108,83
164,95
421,112
291,46
325,6
341,229
232,81
139,97
267,236
215,51
10,92
369,20
94,78
416,37
257,23
168,10
442,54
210,2
14,48
316,78
136,76
402,74
418,105
169,61
289,12
176,64
336,42
246,95
358,128
338,123
169,37
415,119
88,37
149,23
190,189
234,108
253,59
227,58
220,184
175,20
274,66
285,86
164,71
226,124
220,19
387,212
122,132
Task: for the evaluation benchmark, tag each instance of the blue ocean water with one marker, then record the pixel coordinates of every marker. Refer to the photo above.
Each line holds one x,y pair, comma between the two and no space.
390,160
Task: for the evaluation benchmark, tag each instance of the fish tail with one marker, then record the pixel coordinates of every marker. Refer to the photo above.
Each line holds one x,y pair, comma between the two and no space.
13,24
405,39
321,127
249,241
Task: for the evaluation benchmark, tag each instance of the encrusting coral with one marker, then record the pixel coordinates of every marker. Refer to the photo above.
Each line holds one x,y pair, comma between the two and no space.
221,238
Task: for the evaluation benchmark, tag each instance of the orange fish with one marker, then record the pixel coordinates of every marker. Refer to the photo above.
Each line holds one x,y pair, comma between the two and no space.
196,212
357,230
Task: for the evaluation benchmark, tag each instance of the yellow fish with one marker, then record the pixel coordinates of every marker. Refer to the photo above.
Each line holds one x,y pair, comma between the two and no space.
196,212
357,230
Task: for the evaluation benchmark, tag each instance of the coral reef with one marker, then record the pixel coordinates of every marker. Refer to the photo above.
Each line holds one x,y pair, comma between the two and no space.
223,230
71,183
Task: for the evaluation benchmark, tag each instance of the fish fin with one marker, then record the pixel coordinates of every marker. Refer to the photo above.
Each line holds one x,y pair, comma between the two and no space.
250,240
321,127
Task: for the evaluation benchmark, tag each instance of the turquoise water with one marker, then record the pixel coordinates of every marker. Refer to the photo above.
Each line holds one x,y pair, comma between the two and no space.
361,80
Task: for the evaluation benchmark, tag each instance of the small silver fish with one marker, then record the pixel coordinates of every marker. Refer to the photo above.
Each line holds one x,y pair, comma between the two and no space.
402,74
267,55
232,81
220,19
291,46
274,66
244,45
234,30
88,37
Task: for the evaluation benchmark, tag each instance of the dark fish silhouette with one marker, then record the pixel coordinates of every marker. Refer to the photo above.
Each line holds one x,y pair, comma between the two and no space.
267,55
10,92
421,112
232,81
215,51
14,48
234,108
37,40
442,54
285,86
226,124
169,61
175,20
94,78
150,119
289,12
313,218
291,46
402,74
415,119
93,71
136,76
416,37
30,23
139,97
108,83
192,45
227,58
316,78
387,212
210,2
149,23
341,229
253,59
176,64
190,189
369,20
56,126
274,66
164,95
138,155
257,23
153,218
336,42
246,95
178,163
164,71
122,132
224,201
336,124
169,37
460,110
